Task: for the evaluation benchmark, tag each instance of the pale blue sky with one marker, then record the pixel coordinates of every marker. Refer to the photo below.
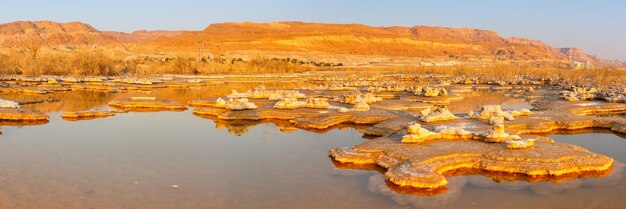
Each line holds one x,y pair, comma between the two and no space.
598,27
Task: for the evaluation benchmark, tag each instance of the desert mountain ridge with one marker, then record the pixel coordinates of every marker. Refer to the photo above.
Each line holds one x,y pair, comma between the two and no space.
354,44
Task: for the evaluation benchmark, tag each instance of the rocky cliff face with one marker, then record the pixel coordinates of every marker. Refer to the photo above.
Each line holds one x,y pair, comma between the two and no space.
312,41
52,33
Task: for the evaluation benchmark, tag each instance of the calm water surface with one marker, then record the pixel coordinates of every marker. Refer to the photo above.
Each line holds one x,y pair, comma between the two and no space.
178,160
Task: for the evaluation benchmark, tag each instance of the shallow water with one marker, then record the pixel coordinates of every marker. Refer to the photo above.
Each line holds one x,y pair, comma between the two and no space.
178,160
133,160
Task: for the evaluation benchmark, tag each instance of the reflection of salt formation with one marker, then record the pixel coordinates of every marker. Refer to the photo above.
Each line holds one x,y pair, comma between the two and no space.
435,114
9,104
355,97
236,129
417,134
495,115
455,188
429,91
293,103
239,104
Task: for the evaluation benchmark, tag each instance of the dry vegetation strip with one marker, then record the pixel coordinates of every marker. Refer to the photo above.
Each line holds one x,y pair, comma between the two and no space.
31,59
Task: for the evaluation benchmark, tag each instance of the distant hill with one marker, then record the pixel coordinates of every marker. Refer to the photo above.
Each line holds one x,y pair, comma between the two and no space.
52,33
141,35
354,44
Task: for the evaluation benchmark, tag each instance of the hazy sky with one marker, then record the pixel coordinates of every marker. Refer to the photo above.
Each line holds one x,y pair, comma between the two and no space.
598,27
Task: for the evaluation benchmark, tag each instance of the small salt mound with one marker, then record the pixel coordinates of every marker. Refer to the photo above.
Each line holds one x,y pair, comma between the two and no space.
9,104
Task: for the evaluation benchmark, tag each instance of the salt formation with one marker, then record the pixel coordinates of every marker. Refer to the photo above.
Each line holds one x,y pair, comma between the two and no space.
436,114
355,97
261,92
317,103
293,103
417,134
289,103
579,94
219,102
239,104
520,144
236,94
497,134
360,106
9,104
493,112
429,91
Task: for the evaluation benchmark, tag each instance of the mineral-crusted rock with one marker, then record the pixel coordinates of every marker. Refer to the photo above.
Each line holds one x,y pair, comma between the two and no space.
239,104
436,114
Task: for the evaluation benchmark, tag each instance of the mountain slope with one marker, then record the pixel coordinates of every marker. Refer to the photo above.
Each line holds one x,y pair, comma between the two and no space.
52,33
355,39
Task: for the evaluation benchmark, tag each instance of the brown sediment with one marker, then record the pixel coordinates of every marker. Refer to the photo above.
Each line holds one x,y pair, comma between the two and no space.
87,115
147,104
17,115
424,165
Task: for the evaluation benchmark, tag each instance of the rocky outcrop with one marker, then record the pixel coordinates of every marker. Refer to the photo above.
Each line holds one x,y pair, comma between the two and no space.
52,33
